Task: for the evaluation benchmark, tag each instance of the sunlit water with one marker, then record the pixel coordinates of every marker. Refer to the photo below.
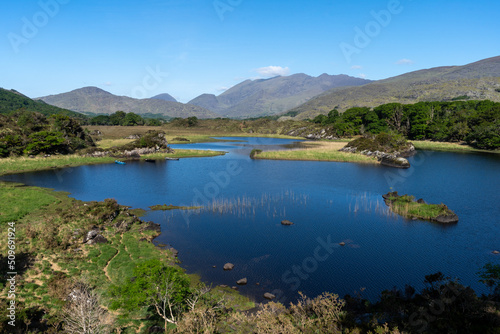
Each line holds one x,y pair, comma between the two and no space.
245,200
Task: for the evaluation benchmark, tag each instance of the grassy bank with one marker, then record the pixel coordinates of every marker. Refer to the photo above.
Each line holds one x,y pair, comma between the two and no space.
51,258
317,151
25,164
444,146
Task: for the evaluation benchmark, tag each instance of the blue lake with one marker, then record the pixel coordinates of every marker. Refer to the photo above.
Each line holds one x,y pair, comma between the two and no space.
245,200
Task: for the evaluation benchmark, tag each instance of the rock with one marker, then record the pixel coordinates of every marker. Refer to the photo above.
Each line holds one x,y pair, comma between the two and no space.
391,194
286,222
421,201
496,252
214,266
446,219
136,136
224,286
269,296
395,162
242,281
150,226
228,266
99,239
342,243
90,235
234,287
174,251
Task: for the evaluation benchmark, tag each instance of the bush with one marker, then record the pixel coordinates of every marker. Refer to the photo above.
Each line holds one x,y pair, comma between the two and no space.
254,153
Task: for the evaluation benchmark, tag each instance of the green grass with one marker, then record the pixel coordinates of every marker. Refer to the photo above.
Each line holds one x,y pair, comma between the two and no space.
24,164
181,153
18,201
316,155
407,207
444,146
166,207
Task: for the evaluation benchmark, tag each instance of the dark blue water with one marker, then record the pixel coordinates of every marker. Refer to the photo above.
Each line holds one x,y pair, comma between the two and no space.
245,201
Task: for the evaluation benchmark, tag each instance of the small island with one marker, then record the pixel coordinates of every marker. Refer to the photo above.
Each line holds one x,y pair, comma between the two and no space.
407,207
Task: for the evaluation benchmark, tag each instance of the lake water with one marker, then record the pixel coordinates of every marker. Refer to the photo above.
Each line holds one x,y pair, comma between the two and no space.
245,200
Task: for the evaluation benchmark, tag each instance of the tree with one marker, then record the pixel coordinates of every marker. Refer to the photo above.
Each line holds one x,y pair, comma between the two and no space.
165,289
83,314
117,117
490,276
45,142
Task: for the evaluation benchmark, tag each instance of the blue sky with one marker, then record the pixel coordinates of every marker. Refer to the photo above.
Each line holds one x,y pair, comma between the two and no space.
187,47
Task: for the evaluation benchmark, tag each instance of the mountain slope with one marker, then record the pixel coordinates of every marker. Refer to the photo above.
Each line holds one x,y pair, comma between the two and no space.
252,98
164,97
479,80
11,100
98,101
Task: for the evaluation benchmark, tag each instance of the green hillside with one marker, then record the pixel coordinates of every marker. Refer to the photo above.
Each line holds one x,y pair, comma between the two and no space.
476,81
11,100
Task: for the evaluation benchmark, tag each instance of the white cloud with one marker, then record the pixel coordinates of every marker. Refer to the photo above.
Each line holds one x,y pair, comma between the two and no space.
108,83
405,61
356,67
362,75
272,71
222,89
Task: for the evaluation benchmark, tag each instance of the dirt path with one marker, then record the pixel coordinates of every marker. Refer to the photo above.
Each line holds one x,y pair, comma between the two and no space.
107,264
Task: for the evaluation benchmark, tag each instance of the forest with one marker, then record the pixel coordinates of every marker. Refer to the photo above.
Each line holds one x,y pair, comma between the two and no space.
474,122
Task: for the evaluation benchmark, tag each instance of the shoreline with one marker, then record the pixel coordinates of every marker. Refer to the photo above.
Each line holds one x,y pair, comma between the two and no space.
19,165
317,151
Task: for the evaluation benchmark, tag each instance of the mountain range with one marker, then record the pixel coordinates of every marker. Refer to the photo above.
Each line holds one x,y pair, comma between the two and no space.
97,101
301,96
479,81
263,97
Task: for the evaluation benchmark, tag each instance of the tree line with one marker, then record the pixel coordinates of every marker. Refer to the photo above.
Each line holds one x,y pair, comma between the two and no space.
124,119
474,122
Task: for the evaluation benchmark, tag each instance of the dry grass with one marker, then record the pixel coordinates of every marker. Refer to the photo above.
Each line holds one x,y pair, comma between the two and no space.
318,151
445,146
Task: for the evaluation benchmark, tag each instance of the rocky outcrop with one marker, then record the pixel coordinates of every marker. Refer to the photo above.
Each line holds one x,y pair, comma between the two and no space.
313,133
446,219
396,162
269,296
242,281
151,142
286,222
93,237
386,159
228,266
150,226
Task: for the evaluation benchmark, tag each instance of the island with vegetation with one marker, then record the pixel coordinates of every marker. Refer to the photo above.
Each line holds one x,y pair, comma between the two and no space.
408,207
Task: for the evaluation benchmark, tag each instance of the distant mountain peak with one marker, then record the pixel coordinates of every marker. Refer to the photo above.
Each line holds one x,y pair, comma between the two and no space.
262,97
164,97
98,101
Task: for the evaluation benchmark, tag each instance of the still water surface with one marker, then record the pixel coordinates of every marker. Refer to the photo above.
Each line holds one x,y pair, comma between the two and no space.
328,202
